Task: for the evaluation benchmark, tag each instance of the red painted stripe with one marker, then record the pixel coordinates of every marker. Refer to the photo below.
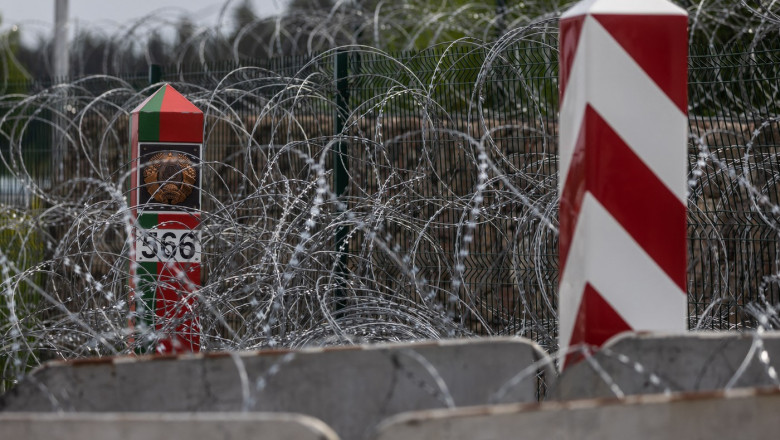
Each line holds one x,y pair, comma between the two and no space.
659,44
175,102
178,220
175,308
638,200
630,192
134,162
571,199
569,38
181,127
595,323
180,120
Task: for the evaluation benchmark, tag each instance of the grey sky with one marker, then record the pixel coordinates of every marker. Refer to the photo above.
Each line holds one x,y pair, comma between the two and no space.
35,17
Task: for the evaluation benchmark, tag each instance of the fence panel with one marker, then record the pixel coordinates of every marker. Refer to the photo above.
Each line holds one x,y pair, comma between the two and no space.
733,201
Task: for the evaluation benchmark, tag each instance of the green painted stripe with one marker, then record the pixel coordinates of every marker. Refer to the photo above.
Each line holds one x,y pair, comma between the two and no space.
130,155
148,221
144,306
149,118
147,285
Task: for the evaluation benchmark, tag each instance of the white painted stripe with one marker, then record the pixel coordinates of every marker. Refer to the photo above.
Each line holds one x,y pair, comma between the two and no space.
605,76
632,7
603,254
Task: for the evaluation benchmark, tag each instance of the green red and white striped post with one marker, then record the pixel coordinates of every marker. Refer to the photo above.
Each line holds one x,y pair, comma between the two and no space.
623,167
166,137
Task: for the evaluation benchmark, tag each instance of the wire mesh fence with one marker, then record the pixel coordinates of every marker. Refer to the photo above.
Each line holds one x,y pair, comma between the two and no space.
733,214
450,199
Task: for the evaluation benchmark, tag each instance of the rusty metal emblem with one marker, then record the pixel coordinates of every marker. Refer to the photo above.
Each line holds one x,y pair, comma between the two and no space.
169,177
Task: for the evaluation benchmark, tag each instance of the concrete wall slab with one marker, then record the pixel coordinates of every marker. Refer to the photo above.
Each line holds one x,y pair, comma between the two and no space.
163,426
349,388
643,363
741,413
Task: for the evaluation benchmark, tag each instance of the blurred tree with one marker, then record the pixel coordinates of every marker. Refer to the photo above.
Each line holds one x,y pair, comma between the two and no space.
308,26
158,51
12,71
405,25
185,42
251,35
298,6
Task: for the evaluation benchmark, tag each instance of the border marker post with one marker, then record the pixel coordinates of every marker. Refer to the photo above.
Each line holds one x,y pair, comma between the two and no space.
166,137
623,166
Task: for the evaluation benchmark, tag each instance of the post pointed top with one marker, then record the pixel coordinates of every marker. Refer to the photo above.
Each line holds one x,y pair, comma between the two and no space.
167,116
624,7
166,100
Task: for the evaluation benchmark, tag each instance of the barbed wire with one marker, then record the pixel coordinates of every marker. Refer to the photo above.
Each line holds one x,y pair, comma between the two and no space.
450,184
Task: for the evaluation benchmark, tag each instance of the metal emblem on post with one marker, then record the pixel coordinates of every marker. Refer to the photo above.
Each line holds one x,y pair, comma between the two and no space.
169,175
168,178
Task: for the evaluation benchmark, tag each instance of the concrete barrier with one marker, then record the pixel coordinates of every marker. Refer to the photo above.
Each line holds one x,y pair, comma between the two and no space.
163,426
634,363
740,413
349,388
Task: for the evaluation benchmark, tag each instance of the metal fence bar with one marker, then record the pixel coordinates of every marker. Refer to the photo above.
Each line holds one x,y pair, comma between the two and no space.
340,162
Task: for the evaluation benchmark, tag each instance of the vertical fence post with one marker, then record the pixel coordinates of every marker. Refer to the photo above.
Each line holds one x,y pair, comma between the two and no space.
340,171
61,64
155,74
500,18
623,167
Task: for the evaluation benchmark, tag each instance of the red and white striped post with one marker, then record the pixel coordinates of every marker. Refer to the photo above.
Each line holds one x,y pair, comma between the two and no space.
623,165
